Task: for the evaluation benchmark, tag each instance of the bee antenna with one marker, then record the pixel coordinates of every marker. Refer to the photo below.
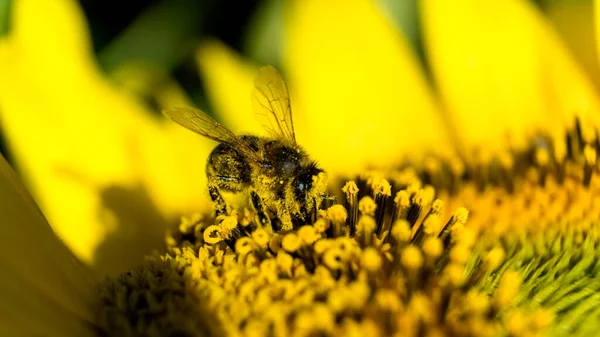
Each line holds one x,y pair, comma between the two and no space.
314,168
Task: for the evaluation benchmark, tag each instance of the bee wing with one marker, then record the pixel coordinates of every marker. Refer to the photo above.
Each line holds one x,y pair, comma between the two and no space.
271,101
199,122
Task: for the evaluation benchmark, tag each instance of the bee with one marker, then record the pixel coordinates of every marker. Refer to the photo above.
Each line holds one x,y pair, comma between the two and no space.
276,171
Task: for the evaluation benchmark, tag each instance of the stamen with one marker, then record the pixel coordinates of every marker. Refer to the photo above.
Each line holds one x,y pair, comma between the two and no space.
351,191
383,190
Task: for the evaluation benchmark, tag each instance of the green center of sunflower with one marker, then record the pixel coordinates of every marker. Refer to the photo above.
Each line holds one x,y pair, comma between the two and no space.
501,246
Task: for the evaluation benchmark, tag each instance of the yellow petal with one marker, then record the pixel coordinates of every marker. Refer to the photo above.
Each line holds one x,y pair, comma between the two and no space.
53,112
228,80
357,88
170,159
149,82
597,25
90,153
172,163
44,289
574,21
502,71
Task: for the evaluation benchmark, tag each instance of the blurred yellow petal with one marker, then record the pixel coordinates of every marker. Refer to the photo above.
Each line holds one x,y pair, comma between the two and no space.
229,80
597,25
171,161
54,112
574,21
44,290
502,71
173,164
90,153
150,83
358,90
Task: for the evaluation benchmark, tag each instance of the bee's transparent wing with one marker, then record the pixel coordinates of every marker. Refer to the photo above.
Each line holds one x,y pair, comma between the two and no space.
271,101
199,122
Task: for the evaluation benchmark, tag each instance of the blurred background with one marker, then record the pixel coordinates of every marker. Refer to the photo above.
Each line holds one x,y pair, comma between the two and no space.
163,36
166,32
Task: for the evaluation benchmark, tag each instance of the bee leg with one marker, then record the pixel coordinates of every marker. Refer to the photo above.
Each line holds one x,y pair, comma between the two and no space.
301,218
218,201
328,201
286,220
306,216
261,215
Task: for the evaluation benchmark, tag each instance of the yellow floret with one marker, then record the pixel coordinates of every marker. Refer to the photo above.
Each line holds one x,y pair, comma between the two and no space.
412,258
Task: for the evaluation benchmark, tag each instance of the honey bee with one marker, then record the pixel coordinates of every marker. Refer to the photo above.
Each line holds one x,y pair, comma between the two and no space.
276,170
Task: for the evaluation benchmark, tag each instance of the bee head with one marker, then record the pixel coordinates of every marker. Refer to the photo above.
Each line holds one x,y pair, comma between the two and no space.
285,159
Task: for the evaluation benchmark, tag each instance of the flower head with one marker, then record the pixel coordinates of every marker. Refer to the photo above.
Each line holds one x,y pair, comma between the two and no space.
492,250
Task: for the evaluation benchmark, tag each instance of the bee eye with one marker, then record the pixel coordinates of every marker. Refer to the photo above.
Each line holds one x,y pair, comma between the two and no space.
303,182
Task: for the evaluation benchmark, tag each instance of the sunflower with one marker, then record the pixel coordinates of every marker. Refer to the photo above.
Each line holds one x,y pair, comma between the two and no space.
473,214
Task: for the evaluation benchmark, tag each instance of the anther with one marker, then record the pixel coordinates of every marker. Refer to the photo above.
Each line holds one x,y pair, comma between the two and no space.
351,191
383,190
